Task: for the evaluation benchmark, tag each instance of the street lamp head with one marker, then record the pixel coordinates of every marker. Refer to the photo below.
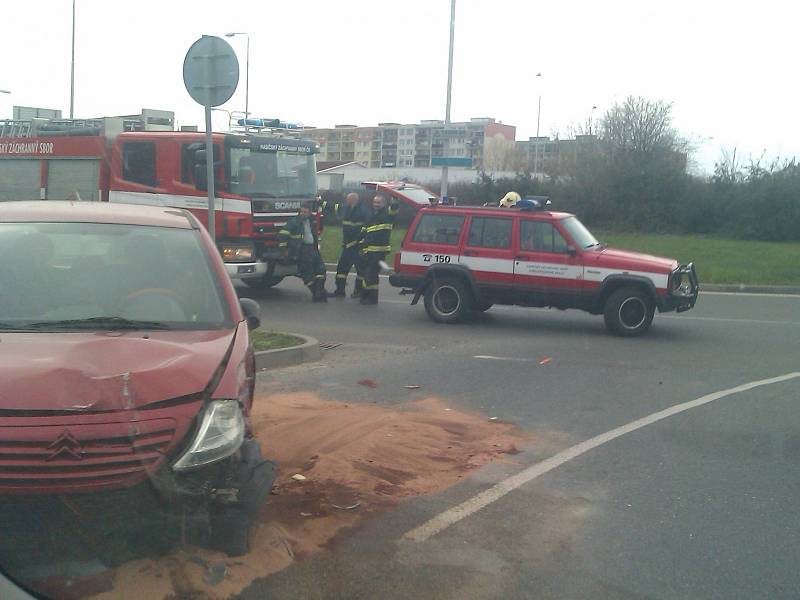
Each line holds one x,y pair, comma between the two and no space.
233,33
5,91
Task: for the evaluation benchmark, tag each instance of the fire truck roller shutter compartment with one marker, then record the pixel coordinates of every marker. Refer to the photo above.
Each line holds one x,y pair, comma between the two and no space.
19,179
73,179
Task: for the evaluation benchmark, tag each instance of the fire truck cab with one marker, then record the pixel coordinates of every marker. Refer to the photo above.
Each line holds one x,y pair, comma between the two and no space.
262,177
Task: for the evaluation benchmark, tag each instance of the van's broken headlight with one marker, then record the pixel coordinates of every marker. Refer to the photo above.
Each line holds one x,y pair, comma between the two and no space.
220,434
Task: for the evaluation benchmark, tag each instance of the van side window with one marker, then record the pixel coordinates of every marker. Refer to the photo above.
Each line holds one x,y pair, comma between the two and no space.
139,162
490,232
540,236
439,229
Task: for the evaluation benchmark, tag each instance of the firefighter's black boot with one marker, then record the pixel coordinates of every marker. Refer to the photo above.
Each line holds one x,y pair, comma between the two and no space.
318,291
369,297
339,292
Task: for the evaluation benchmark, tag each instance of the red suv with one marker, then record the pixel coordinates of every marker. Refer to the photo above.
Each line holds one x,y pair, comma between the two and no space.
125,358
465,258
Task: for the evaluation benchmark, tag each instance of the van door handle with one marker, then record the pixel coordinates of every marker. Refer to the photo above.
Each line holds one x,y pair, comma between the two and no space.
470,253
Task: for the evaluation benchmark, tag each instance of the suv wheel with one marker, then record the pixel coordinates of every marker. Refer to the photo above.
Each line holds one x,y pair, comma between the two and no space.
628,312
447,300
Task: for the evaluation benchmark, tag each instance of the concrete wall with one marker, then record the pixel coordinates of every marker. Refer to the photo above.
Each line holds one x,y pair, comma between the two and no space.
354,175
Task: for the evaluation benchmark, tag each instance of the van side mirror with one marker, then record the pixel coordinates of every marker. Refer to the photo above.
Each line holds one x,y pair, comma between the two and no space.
200,179
252,312
572,251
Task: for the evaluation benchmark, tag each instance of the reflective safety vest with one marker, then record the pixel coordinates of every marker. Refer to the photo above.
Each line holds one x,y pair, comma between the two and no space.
377,231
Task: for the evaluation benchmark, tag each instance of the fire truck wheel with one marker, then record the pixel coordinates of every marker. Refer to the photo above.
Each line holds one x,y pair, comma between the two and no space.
265,282
629,312
448,300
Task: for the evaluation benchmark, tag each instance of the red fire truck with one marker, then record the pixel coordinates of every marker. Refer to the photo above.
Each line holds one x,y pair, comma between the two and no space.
262,177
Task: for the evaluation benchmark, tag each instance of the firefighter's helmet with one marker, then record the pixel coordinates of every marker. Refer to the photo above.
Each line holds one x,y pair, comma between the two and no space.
509,200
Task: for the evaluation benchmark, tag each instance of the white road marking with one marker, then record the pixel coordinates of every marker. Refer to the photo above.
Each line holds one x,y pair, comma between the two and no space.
455,514
729,320
756,294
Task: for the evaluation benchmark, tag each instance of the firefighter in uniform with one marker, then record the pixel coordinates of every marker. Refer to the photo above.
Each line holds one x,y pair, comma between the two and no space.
375,244
353,215
299,242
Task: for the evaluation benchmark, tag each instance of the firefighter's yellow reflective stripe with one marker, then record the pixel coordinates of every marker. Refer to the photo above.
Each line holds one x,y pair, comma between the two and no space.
381,227
341,276
283,244
352,223
297,236
319,277
351,244
372,286
284,232
376,249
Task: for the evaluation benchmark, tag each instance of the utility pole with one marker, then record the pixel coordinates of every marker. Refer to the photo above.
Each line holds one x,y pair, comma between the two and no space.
246,75
536,144
449,88
72,69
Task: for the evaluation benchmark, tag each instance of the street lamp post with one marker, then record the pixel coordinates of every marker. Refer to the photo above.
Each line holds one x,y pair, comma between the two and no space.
591,118
246,75
538,120
449,89
72,68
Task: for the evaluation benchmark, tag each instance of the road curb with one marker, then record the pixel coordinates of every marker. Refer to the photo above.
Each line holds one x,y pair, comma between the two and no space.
749,289
308,351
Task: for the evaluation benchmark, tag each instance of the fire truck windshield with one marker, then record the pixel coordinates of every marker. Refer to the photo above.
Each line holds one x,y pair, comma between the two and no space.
272,174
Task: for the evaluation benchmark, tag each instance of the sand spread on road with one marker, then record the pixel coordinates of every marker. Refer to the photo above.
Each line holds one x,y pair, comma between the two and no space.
357,459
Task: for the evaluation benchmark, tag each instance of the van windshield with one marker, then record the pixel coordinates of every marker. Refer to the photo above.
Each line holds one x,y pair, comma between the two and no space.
106,276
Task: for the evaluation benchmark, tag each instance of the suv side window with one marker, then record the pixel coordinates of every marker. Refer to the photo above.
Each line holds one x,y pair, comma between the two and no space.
490,232
439,229
541,236
139,162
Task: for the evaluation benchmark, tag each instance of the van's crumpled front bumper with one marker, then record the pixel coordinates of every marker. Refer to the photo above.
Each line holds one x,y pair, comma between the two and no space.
683,290
244,479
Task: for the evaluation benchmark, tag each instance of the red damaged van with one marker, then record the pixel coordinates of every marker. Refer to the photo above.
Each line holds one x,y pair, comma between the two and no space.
125,358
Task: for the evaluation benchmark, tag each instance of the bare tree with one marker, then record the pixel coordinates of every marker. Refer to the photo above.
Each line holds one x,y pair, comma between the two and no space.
501,154
640,125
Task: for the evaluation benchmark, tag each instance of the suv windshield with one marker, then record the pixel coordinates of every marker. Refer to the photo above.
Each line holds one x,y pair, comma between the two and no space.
582,237
272,174
106,276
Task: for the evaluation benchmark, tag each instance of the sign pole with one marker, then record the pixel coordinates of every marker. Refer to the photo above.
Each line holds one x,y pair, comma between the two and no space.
212,229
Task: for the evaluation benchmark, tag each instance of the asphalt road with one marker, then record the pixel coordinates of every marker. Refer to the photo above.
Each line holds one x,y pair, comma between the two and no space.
698,505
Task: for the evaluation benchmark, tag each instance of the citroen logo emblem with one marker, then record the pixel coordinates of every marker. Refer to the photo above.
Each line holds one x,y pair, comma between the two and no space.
65,446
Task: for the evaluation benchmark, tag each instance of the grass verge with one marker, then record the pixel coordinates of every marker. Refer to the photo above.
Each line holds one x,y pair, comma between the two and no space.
271,340
719,260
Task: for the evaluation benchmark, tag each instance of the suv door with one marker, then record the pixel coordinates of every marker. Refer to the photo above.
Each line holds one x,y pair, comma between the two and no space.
545,266
488,251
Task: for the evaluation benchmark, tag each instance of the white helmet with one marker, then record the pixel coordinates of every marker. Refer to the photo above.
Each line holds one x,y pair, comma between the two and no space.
509,200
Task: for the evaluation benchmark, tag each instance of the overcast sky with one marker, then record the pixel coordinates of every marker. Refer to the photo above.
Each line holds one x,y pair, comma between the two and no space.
729,67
